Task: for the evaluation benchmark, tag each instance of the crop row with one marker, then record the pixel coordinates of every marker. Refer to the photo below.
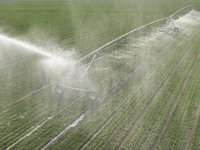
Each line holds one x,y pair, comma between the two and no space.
183,113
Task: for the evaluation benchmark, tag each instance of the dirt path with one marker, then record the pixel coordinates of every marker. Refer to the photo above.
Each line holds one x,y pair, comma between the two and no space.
194,125
175,103
55,139
26,96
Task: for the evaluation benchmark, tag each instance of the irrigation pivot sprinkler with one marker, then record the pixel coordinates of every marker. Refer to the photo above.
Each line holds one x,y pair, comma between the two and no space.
86,61
60,89
92,95
181,12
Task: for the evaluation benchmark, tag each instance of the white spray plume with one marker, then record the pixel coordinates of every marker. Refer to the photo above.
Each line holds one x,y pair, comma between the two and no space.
30,47
52,59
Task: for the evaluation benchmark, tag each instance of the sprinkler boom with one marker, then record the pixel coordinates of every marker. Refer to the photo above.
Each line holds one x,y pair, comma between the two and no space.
60,89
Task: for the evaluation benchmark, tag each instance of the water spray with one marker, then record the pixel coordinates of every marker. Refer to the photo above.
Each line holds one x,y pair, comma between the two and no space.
28,46
92,95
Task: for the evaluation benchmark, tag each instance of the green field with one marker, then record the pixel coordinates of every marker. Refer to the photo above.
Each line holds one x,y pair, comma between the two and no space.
148,83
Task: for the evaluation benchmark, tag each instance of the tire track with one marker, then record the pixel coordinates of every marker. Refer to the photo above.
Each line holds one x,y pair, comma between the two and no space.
194,125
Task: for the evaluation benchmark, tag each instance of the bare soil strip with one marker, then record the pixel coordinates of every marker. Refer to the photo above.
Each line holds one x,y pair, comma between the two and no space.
55,139
194,125
26,96
175,103
27,135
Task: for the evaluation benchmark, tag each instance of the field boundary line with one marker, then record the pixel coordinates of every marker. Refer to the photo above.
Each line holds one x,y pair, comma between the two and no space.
176,101
26,96
194,125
